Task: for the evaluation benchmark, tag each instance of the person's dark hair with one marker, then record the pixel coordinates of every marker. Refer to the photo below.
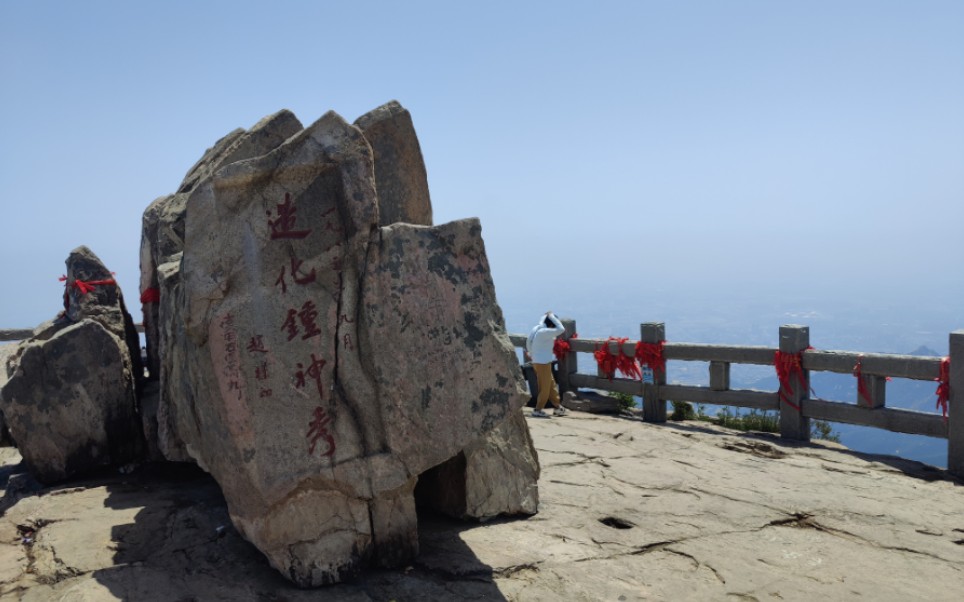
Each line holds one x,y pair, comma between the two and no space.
548,322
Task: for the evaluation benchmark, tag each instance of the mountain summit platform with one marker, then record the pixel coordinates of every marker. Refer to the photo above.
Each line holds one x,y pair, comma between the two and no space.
628,511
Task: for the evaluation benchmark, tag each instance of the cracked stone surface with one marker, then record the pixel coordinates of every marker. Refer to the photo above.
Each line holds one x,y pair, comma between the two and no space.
628,511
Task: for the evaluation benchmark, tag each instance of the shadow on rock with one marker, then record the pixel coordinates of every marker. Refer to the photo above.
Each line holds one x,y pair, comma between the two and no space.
181,545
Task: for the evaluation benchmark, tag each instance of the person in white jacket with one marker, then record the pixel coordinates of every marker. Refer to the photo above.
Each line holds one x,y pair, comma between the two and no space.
539,345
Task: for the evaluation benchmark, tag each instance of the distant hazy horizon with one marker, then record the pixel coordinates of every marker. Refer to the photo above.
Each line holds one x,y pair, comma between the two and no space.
647,156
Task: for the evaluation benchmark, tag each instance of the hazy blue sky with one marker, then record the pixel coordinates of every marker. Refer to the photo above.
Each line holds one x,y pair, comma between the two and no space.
798,148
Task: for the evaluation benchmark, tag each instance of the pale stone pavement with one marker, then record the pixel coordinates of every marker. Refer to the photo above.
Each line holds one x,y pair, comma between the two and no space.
629,511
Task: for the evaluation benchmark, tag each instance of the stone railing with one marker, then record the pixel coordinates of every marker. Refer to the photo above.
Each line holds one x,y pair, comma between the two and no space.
795,406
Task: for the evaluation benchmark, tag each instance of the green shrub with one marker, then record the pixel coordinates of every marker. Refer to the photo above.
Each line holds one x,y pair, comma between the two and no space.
821,429
626,401
682,410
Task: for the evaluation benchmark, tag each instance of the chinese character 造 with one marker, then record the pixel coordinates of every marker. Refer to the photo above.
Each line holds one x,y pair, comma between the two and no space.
318,429
283,227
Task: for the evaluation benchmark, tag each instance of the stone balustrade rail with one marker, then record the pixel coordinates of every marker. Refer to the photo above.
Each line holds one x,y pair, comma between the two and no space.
795,407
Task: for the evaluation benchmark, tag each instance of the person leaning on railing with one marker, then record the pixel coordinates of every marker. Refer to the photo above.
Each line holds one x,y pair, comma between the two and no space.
539,348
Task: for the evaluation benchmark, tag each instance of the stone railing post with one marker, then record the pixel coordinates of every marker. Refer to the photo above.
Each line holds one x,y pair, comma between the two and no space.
654,408
793,424
569,364
955,406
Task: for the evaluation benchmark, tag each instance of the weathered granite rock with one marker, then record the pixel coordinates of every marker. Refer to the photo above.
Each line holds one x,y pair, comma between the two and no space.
6,351
162,234
495,475
400,175
92,293
70,403
174,374
325,363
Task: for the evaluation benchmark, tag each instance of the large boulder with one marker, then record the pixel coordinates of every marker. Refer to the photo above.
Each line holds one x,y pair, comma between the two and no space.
70,403
317,364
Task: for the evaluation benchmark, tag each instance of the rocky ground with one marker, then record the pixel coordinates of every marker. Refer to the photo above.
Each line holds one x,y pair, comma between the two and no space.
628,511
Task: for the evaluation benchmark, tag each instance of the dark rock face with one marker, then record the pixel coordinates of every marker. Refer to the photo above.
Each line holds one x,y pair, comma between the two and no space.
70,402
316,364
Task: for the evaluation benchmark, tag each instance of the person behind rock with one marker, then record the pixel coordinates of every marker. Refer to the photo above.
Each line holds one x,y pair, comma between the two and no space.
539,346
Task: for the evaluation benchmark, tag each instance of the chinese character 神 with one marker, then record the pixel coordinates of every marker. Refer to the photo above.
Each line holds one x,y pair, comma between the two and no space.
283,227
313,372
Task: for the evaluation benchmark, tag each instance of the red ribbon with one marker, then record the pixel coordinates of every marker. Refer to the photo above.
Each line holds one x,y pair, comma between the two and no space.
651,354
626,364
151,295
86,286
862,390
561,347
787,365
606,361
944,386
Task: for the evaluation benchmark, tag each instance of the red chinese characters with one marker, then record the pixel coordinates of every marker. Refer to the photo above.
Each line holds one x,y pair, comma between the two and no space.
313,372
318,430
284,225
296,274
307,316
231,368
256,344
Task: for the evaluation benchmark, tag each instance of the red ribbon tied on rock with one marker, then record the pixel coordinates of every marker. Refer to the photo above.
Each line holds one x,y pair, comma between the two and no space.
787,365
86,286
151,295
651,354
561,347
944,386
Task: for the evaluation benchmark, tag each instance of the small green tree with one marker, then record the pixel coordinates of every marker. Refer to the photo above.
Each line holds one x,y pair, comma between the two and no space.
821,429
